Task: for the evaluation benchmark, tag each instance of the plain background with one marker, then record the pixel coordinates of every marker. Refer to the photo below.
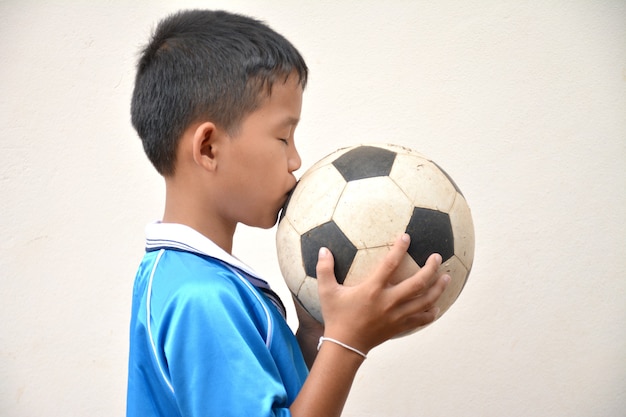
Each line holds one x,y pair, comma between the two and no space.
522,102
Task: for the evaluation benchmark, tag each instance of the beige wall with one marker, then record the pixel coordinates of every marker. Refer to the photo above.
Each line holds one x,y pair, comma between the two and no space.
523,103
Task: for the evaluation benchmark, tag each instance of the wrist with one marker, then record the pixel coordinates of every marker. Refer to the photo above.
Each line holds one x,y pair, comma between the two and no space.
339,343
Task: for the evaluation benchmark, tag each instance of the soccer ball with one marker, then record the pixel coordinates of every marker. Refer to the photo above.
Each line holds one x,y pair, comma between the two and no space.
356,202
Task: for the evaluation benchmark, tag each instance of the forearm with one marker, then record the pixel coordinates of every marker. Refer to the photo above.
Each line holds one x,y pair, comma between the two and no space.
327,387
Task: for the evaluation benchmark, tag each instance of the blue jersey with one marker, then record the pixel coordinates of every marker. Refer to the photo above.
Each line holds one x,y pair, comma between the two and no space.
207,335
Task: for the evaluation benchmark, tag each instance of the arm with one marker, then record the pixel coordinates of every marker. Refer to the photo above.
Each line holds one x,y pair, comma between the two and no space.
363,317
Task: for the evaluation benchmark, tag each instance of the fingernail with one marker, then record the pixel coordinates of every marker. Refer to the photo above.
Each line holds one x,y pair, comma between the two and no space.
406,238
438,258
323,253
446,278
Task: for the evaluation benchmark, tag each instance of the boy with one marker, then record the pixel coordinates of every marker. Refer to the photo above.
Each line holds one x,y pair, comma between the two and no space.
216,102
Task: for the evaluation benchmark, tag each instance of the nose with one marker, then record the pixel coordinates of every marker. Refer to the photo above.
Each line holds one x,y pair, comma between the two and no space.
294,162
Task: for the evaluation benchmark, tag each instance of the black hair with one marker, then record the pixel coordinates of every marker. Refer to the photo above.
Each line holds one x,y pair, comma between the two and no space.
205,64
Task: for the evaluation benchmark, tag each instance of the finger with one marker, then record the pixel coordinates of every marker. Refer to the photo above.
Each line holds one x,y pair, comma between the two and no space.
385,269
426,302
422,280
421,319
325,270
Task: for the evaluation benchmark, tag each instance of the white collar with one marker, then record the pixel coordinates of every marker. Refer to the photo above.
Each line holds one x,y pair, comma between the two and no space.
181,237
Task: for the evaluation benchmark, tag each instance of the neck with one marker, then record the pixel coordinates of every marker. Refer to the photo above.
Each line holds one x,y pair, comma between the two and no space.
193,212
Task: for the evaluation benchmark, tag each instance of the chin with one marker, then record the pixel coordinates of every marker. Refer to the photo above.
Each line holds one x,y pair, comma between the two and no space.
273,222
266,223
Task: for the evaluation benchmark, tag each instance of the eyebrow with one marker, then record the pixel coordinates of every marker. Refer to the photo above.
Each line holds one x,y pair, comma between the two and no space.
290,121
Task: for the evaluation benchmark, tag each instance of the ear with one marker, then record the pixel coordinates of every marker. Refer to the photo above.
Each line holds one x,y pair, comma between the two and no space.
205,144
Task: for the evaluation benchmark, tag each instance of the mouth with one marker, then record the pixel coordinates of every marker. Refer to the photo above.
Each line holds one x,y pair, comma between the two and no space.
286,203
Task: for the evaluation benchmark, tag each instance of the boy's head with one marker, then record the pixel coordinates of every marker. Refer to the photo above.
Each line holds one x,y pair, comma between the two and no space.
210,65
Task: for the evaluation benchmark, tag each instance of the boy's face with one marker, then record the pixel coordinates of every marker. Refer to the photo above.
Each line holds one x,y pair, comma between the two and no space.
260,159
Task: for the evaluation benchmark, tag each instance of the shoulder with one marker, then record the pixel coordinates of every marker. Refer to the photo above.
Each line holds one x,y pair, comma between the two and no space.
188,272
199,283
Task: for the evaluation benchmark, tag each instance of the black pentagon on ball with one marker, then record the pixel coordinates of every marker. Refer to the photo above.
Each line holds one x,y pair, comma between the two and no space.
431,232
365,162
330,236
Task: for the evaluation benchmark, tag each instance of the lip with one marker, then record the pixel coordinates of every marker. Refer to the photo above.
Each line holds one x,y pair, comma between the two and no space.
286,202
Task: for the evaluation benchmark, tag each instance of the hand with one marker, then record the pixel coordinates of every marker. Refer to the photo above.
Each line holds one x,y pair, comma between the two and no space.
377,309
308,334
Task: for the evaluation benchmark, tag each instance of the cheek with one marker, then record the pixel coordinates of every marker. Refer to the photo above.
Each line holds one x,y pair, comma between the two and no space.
263,172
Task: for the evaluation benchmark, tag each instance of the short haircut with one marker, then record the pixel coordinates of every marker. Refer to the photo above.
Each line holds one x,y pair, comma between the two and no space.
202,64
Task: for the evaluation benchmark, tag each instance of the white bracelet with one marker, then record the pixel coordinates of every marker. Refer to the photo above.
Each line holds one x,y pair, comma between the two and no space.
328,339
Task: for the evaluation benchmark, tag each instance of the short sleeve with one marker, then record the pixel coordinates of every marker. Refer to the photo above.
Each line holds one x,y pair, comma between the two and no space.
213,338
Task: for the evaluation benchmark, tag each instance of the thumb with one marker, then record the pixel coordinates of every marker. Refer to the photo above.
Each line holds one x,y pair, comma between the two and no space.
325,270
